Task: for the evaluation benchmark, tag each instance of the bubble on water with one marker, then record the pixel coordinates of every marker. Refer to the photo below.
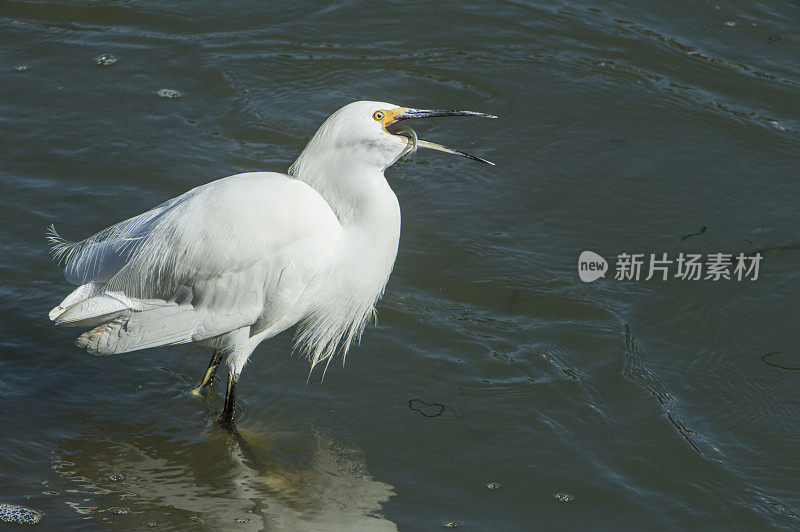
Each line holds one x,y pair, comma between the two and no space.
563,497
241,520
117,510
451,524
171,94
116,477
152,524
106,60
493,485
21,68
11,513
730,23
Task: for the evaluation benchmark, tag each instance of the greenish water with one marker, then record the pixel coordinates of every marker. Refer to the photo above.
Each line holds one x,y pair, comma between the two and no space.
624,127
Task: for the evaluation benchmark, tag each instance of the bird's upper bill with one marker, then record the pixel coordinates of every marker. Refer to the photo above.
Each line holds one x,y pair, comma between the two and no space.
388,117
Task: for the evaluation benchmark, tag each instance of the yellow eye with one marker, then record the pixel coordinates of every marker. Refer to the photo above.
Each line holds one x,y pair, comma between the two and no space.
379,115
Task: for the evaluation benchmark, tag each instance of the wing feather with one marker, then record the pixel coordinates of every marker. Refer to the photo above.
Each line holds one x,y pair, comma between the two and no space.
198,266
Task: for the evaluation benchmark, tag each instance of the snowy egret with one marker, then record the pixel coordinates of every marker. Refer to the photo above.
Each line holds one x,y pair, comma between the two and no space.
236,261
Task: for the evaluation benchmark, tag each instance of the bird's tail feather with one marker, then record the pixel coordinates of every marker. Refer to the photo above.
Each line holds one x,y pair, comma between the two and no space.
78,295
123,323
135,330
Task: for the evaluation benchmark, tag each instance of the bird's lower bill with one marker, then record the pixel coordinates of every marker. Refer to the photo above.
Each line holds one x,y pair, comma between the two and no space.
415,142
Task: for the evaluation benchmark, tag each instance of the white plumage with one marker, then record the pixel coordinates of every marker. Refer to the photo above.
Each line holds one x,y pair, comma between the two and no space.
238,260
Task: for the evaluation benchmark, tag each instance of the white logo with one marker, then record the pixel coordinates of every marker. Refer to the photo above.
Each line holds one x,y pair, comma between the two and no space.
591,266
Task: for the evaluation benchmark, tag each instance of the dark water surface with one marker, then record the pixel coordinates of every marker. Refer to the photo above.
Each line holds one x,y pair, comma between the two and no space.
498,390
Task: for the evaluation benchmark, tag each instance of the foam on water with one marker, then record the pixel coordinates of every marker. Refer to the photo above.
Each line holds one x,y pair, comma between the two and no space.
12,513
106,60
170,94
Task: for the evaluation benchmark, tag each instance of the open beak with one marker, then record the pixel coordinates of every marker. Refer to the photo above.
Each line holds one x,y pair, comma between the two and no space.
408,113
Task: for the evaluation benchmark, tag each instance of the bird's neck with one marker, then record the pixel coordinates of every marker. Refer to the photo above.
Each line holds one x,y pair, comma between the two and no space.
366,249
356,191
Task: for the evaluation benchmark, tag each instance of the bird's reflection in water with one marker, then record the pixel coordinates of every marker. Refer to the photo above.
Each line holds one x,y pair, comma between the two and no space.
130,476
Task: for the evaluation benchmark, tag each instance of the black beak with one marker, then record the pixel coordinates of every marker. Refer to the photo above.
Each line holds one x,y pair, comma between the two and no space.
429,113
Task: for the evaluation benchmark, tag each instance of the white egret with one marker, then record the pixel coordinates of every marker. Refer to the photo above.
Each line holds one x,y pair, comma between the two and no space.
236,261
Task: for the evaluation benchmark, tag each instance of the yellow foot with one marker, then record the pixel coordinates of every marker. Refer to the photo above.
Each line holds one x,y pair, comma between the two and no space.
207,380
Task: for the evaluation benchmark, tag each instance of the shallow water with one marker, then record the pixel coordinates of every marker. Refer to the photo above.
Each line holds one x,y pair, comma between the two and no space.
498,390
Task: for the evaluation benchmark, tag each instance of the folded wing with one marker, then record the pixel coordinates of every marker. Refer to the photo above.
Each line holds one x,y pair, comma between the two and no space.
218,258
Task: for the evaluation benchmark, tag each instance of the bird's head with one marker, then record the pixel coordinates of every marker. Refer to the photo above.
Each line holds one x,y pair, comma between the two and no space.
358,132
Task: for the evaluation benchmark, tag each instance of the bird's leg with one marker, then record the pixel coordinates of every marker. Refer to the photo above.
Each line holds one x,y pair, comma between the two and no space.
230,401
239,347
216,358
